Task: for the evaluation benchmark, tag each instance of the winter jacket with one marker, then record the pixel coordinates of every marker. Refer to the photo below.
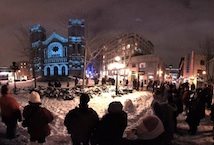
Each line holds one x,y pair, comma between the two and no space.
9,109
165,113
195,112
110,128
36,120
80,123
212,112
186,97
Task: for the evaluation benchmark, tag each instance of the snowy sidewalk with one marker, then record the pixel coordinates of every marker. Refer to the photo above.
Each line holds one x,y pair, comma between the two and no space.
204,135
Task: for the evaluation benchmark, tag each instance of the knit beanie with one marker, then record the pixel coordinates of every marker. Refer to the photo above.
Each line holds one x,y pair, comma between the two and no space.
115,107
35,97
149,127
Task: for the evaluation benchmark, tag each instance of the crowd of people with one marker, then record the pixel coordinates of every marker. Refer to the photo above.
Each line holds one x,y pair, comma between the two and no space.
85,127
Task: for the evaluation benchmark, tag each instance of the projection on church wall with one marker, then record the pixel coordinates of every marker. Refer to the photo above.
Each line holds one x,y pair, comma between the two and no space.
59,56
55,49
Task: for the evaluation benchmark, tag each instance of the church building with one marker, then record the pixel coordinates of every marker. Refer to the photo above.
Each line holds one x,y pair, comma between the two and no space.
56,55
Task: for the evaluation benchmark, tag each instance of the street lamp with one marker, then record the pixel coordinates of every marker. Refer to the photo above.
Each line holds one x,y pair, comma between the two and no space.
116,66
14,67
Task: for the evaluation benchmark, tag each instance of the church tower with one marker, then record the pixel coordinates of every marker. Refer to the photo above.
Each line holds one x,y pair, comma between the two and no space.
76,40
37,33
37,36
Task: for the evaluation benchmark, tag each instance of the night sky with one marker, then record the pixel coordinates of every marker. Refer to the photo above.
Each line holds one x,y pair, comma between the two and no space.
175,27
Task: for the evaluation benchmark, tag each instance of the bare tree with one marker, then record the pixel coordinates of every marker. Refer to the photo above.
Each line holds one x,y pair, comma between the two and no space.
25,50
207,49
22,35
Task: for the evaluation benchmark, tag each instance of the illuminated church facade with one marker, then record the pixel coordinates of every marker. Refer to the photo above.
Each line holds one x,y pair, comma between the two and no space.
56,55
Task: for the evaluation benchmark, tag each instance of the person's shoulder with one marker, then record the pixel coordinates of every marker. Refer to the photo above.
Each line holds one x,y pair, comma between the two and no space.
92,111
27,106
44,109
72,111
11,98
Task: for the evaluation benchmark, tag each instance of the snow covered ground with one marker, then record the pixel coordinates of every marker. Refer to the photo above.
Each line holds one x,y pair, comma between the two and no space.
141,101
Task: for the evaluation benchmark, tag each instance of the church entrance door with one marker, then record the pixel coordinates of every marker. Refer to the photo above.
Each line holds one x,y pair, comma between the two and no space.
55,71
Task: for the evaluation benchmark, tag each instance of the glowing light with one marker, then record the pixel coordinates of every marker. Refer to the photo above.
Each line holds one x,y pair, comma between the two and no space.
117,58
204,72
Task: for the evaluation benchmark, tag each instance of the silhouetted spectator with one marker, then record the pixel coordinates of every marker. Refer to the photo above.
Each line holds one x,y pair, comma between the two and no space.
103,81
194,113
10,112
135,84
178,102
96,81
57,84
113,81
68,83
185,98
86,80
164,110
212,116
81,121
111,127
192,87
142,85
76,81
127,82
50,84
206,95
36,119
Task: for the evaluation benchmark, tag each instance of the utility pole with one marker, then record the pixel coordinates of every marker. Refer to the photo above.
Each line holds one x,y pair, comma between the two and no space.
14,67
84,68
34,75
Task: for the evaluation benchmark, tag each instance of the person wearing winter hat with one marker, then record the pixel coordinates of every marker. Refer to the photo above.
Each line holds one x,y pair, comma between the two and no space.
110,129
149,127
148,130
36,119
35,97
10,112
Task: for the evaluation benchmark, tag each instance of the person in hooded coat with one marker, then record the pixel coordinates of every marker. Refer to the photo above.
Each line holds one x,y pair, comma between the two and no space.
111,127
10,112
81,121
36,119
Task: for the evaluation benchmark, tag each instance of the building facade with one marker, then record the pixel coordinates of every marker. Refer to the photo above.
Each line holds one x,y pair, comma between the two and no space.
194,69
211,71
24,71
56,55
146,68
137,60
